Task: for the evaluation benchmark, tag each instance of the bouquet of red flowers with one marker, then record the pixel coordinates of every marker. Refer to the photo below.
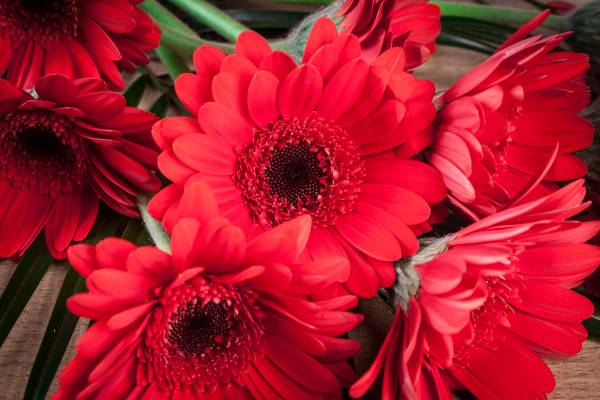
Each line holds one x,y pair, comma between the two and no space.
221,236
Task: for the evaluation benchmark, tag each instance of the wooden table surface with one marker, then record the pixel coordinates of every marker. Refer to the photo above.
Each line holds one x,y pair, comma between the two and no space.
577,378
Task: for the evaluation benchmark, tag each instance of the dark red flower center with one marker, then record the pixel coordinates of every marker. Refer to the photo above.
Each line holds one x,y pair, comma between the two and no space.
299,166
493,313
202,337
39,151
43,21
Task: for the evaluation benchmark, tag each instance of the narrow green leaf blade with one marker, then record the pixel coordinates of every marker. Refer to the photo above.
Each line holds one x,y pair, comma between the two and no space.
56,339
134,93
136,233
22,284
450,39
160,106
62,323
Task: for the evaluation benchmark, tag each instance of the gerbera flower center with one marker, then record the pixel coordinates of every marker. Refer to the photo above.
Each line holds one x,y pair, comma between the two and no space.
43,21
202,336
295,172
39,151
299,166
493,313
200,328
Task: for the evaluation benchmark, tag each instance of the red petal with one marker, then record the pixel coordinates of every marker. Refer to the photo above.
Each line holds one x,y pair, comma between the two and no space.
205,153
193,91
101,105
369,236
300,92
278,63
64,221
113,252
283,243
100,43
110,17
553,337
323,32
252,46
207,60
215,119
300,367
553,302
262,98
561,263
58,60
404,204
343,89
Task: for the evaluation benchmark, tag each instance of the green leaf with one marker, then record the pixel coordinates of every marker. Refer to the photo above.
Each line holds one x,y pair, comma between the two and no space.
593,327
135,232
62,323
160,106
22,284
134,93
159,236
56,339
263,19
450,39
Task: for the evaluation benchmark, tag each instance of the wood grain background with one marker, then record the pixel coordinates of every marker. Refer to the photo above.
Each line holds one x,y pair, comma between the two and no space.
577,378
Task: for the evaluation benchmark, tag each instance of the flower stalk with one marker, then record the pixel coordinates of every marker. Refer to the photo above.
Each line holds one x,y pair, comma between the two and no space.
489,13
173,61
175,33
480,12
407,278
211,16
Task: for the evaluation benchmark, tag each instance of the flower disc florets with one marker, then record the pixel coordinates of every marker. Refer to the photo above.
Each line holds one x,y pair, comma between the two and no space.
39,151
44,21
297,166
203,336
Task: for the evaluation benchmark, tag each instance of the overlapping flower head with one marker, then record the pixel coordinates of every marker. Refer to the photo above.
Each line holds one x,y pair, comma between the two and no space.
61,151
276,140
222,316
501,122
481,306
380,24
77,38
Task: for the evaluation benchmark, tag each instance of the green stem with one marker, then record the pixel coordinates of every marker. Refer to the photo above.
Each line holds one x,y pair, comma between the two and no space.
175,33
161,14
159,236
211,16
495,14
173,62
177,38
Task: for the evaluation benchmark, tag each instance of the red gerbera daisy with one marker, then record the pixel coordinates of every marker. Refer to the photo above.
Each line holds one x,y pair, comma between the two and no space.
380,24
221,317
77,38
500,124
276,140
61,150
487,302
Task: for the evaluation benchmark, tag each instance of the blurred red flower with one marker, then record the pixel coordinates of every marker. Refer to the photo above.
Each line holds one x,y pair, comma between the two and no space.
561,7
490,300
380,24
61,151
276,140
499,125
221,317
77,38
